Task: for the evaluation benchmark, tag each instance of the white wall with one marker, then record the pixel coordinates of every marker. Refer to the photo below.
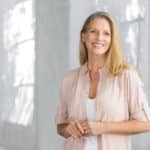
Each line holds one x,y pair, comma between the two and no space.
52,60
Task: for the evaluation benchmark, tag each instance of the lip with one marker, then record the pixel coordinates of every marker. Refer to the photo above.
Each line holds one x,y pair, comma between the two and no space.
98,45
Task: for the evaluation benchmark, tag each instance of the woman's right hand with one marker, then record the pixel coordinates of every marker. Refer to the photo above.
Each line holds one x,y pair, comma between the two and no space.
74,129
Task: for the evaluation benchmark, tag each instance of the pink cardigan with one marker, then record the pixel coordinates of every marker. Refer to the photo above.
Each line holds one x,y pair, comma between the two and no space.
118,98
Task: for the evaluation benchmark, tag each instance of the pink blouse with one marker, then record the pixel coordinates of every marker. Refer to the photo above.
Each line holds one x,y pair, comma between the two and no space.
119,98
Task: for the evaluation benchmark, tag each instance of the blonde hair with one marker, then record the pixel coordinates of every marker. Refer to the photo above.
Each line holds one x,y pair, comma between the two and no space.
114,62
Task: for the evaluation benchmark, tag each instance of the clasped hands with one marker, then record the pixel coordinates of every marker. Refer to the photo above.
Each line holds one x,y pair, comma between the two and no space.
83,128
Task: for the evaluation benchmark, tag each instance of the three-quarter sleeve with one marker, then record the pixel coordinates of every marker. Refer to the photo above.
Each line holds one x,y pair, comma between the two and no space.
138,105
61,113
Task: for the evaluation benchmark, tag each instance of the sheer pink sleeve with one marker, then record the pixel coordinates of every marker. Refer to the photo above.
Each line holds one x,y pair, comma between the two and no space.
61,113
138,105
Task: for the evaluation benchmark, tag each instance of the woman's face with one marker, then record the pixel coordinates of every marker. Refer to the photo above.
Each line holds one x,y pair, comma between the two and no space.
97,37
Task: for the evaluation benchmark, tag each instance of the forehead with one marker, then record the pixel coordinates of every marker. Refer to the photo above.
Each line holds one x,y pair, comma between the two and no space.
99,23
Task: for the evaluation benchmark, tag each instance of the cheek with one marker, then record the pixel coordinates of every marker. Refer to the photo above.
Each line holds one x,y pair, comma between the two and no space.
88,42
109,41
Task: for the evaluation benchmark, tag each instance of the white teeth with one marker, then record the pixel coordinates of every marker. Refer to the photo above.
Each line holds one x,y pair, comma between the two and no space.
98,45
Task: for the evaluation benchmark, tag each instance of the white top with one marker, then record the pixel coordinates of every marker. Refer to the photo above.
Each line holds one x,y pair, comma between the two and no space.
91,141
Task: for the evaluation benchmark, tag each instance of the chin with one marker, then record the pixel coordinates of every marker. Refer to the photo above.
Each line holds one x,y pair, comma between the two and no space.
99,52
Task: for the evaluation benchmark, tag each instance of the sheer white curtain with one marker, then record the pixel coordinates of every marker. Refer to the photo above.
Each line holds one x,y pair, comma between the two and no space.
17,56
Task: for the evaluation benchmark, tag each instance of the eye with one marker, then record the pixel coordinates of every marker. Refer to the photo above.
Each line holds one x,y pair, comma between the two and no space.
107,33
92,31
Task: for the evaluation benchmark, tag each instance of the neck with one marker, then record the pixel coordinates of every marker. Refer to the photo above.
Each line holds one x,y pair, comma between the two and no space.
95,62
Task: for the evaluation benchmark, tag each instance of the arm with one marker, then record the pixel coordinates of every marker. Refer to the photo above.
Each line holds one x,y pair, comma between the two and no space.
125,127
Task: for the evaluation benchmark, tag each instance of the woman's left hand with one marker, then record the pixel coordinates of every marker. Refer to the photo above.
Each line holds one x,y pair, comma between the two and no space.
91,127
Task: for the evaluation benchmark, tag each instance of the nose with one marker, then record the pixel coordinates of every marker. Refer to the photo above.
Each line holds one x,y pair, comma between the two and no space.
99,36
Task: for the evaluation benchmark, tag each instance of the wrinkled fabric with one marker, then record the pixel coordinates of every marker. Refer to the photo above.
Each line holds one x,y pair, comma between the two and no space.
119,98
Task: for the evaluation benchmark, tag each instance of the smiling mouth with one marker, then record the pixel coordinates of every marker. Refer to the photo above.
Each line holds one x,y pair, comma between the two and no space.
98,45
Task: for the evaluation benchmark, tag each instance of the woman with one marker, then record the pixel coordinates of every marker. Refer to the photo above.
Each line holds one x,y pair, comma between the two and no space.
102,102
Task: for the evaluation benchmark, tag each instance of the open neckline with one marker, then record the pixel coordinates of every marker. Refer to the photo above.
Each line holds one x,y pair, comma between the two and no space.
91,99
99,69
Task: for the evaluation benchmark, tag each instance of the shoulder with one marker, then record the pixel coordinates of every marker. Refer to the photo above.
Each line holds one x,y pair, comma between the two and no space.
71,76
132,76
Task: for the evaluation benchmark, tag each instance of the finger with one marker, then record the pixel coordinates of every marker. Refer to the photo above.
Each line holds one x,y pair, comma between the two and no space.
72,130
87,132
85,125
78,133
69,131
87,129
75,130
73,133
79,127
84,128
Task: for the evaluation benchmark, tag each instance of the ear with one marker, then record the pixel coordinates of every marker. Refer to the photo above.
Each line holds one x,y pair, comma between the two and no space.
83,37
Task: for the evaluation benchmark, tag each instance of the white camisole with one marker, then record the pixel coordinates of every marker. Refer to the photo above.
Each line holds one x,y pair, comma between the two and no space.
91,141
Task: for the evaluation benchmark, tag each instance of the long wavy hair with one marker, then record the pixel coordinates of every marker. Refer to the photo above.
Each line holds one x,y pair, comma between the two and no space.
115,62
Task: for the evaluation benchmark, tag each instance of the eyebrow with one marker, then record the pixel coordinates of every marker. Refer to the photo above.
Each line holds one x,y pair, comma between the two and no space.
89,28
